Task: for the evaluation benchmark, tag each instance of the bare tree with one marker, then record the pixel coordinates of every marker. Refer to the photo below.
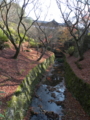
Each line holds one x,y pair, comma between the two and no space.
47,34
7,15
76,16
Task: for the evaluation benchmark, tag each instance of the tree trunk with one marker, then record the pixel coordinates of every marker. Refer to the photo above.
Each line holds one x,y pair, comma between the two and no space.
43,52
80,53
16,53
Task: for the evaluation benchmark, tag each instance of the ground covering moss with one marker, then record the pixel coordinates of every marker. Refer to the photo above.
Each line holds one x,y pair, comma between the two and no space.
77,86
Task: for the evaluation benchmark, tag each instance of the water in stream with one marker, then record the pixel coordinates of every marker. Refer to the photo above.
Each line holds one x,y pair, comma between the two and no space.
47,102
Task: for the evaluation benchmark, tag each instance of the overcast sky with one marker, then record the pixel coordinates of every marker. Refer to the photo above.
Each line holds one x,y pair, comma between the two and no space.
49,10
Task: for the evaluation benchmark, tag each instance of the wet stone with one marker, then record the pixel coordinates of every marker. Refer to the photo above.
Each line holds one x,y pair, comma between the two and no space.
52,115
48,87
59,102
52,89
53,95
39,117
51,101
35,95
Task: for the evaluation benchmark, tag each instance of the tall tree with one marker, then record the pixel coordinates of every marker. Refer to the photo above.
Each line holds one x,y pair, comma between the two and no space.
74,16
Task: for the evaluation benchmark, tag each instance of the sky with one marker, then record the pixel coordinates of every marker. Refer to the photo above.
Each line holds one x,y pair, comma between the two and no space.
49,12
53,12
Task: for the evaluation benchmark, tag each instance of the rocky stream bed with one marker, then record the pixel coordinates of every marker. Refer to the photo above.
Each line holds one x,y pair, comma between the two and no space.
47,103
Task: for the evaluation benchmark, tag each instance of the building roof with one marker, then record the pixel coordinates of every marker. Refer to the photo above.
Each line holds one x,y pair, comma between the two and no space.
53,22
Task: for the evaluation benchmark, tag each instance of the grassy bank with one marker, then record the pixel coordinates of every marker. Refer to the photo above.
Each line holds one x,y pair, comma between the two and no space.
77,86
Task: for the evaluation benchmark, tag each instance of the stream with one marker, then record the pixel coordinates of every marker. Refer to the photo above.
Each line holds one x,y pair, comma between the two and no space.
47,103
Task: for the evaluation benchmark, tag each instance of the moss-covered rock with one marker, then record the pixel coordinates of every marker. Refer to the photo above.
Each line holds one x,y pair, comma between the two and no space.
78,88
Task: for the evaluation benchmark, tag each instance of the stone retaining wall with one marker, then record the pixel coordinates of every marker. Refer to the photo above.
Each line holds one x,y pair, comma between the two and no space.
77,86
21,99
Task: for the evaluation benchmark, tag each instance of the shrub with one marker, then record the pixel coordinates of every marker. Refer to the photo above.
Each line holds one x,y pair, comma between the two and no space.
70,50
31,39
33,43
3,38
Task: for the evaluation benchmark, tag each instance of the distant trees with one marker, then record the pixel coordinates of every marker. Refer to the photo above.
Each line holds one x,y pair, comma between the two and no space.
64,35
74,15
12,12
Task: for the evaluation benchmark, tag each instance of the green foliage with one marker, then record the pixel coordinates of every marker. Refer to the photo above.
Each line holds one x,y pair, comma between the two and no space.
3,37
1,23
1,115
31,39
16,36
21,35
13,32
26,37
2,92
33,43
11,24
70,50
88,34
